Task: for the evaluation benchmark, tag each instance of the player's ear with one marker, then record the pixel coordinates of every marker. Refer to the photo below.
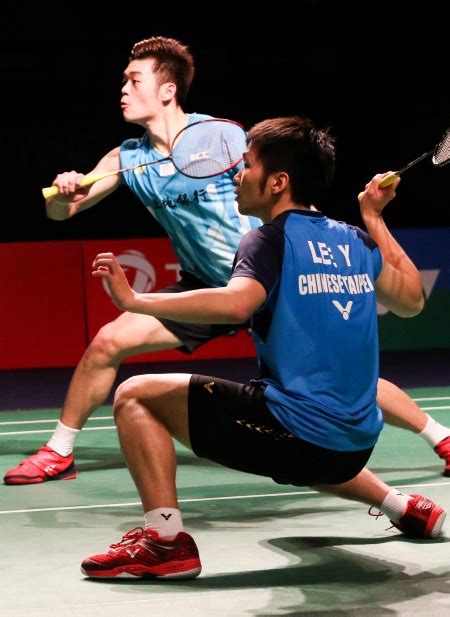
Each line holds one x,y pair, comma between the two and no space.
280,181
168,91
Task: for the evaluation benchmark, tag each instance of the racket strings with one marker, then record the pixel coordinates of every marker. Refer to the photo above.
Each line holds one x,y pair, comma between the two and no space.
209,148
442,153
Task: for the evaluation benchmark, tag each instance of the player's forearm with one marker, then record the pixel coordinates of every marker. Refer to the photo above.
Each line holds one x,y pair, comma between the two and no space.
390,249
57,210
201,306
61,210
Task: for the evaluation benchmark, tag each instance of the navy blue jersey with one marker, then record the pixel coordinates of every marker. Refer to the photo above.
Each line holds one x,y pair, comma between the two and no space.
316,335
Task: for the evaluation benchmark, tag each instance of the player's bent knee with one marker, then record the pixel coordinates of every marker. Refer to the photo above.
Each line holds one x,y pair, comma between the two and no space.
104,344
126,395
127,410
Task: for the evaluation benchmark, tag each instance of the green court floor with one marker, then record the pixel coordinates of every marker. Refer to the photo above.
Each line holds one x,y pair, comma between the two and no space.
266,549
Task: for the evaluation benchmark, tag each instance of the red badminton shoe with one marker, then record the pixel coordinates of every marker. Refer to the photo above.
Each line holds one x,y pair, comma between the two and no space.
142,553
422,519
443,451
45,465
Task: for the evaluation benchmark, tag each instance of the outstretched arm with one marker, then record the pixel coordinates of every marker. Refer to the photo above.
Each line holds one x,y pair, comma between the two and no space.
399,286
72,198
234,303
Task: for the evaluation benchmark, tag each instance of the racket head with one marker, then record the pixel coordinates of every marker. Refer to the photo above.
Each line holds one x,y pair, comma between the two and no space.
208,147
441,155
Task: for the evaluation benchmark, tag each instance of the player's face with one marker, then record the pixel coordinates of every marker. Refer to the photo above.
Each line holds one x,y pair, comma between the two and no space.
251,192
143,99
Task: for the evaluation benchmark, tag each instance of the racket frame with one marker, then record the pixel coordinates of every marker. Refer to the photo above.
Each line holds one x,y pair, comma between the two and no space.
88,180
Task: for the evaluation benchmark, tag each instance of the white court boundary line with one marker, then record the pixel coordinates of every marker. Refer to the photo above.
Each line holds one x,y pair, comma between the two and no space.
9,423
432,398
52,430
103,428
100,418
200,499
435,408
109,428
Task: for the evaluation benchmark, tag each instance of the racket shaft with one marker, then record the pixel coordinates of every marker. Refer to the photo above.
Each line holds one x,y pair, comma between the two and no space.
391,178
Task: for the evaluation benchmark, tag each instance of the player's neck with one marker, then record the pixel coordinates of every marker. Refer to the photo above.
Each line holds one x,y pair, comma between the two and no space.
163,129
282,205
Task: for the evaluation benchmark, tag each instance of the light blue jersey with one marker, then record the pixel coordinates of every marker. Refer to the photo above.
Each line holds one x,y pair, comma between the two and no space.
200,216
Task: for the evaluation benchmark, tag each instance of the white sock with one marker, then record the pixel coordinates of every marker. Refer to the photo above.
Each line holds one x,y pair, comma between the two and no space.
166,521
394,505
63,439
434,432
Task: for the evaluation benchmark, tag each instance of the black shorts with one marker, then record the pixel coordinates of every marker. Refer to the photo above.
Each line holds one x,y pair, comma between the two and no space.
230,424
193,335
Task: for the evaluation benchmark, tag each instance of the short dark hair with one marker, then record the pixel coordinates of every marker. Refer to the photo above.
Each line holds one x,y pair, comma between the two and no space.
293,144
173,62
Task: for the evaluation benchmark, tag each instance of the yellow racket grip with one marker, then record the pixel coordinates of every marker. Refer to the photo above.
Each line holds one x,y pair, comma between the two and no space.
51,191
383,184
388,180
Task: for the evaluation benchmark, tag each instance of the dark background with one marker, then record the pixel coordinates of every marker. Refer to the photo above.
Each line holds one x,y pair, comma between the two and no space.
376,74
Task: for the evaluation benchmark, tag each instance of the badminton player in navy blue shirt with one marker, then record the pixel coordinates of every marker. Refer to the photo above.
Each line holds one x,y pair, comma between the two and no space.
310,286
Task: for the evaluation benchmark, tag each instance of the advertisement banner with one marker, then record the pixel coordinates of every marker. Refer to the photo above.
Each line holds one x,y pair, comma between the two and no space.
52,306
42,304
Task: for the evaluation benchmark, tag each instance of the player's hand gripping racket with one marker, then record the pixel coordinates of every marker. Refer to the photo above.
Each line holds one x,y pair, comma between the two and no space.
441,156
203,149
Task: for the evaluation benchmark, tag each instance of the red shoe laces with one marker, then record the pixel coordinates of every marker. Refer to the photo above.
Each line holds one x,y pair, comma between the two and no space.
131,537
377,515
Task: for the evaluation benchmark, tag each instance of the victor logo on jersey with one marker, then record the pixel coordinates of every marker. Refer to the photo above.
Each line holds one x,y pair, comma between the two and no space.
344,310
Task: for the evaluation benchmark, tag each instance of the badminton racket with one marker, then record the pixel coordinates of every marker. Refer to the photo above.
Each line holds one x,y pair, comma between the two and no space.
202,149
441,156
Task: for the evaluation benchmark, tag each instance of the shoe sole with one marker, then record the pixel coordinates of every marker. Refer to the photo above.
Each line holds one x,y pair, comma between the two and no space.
21,480
193,570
